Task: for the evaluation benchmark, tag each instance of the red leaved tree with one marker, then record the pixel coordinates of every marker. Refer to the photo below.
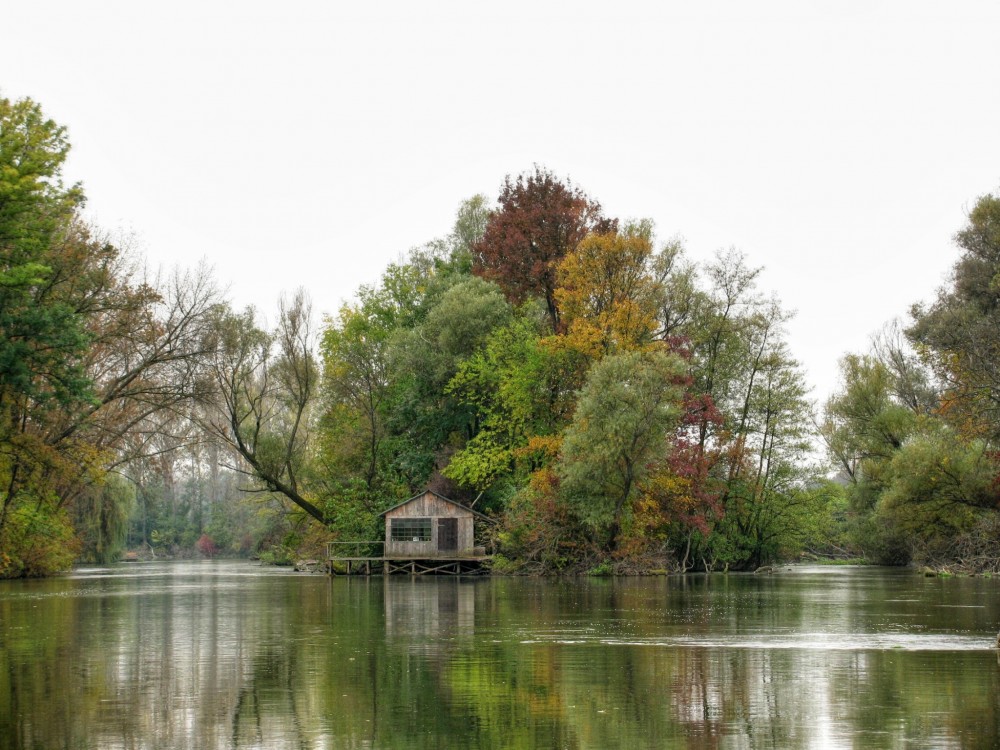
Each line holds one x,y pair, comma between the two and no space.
206,546
540,219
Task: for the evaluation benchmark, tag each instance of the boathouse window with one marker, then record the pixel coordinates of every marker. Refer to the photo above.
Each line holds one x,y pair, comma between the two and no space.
411,529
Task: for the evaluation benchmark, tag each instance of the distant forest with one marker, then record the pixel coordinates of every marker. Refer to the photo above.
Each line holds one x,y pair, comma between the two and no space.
614,405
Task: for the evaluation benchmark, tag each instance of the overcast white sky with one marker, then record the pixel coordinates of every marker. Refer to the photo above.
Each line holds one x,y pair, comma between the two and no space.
838,143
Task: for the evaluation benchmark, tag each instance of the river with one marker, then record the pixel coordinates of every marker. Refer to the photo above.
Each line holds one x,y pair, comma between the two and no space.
232,655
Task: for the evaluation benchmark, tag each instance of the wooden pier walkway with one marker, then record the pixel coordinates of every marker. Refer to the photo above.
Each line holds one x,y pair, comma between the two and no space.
369,558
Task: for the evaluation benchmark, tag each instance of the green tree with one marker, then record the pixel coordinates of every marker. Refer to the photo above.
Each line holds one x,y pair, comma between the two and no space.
39,343
385,358
959,332
95,357
627,409
866,423
101,519
267,383
470,226
679,298
940,485
884,403
509,383
428,422
740,367
768,509
356,384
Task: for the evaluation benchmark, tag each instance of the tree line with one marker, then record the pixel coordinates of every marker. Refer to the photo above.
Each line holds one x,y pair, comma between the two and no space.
914,426
614,405
110,431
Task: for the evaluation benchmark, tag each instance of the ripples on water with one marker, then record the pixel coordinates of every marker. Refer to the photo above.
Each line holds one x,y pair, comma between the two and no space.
231,655
808,641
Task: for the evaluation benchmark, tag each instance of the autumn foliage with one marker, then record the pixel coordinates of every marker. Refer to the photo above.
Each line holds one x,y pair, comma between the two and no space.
614,406
607,295
540,220
206,546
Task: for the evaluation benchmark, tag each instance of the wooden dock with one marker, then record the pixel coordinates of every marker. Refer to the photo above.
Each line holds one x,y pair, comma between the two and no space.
369,558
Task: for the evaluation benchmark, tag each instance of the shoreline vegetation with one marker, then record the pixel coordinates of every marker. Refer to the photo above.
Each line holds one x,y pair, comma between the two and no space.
615,406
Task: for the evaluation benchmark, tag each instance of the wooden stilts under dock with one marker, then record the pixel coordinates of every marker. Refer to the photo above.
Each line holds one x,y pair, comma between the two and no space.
345,558
342,561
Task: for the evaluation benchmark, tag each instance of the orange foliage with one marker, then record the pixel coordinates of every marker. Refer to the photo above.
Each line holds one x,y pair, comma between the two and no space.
607,294
540,450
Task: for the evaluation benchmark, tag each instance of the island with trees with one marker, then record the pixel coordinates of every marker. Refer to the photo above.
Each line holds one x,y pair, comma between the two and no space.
614,406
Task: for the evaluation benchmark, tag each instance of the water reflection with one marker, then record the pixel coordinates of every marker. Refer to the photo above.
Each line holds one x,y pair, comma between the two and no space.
433,610
226,655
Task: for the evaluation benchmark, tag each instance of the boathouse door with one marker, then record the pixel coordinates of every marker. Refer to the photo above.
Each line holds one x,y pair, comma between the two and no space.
447,534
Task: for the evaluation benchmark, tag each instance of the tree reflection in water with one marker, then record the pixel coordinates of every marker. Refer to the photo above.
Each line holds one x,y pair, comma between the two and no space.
226,655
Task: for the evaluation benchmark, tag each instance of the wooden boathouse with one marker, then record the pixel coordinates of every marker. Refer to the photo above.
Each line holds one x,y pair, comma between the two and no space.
428,533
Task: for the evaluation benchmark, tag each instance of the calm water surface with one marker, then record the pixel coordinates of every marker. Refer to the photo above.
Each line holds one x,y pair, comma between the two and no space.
229,655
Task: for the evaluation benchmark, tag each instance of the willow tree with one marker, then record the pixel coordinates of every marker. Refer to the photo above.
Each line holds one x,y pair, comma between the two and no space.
628,409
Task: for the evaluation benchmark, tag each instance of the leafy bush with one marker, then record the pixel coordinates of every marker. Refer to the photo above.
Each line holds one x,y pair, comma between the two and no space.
206,546
35,542
601,569
278,555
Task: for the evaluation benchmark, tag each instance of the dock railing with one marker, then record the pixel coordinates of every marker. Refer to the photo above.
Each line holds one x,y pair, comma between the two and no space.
364,557
355,550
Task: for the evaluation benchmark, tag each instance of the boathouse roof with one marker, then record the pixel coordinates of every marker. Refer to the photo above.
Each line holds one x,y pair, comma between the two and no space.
475,513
